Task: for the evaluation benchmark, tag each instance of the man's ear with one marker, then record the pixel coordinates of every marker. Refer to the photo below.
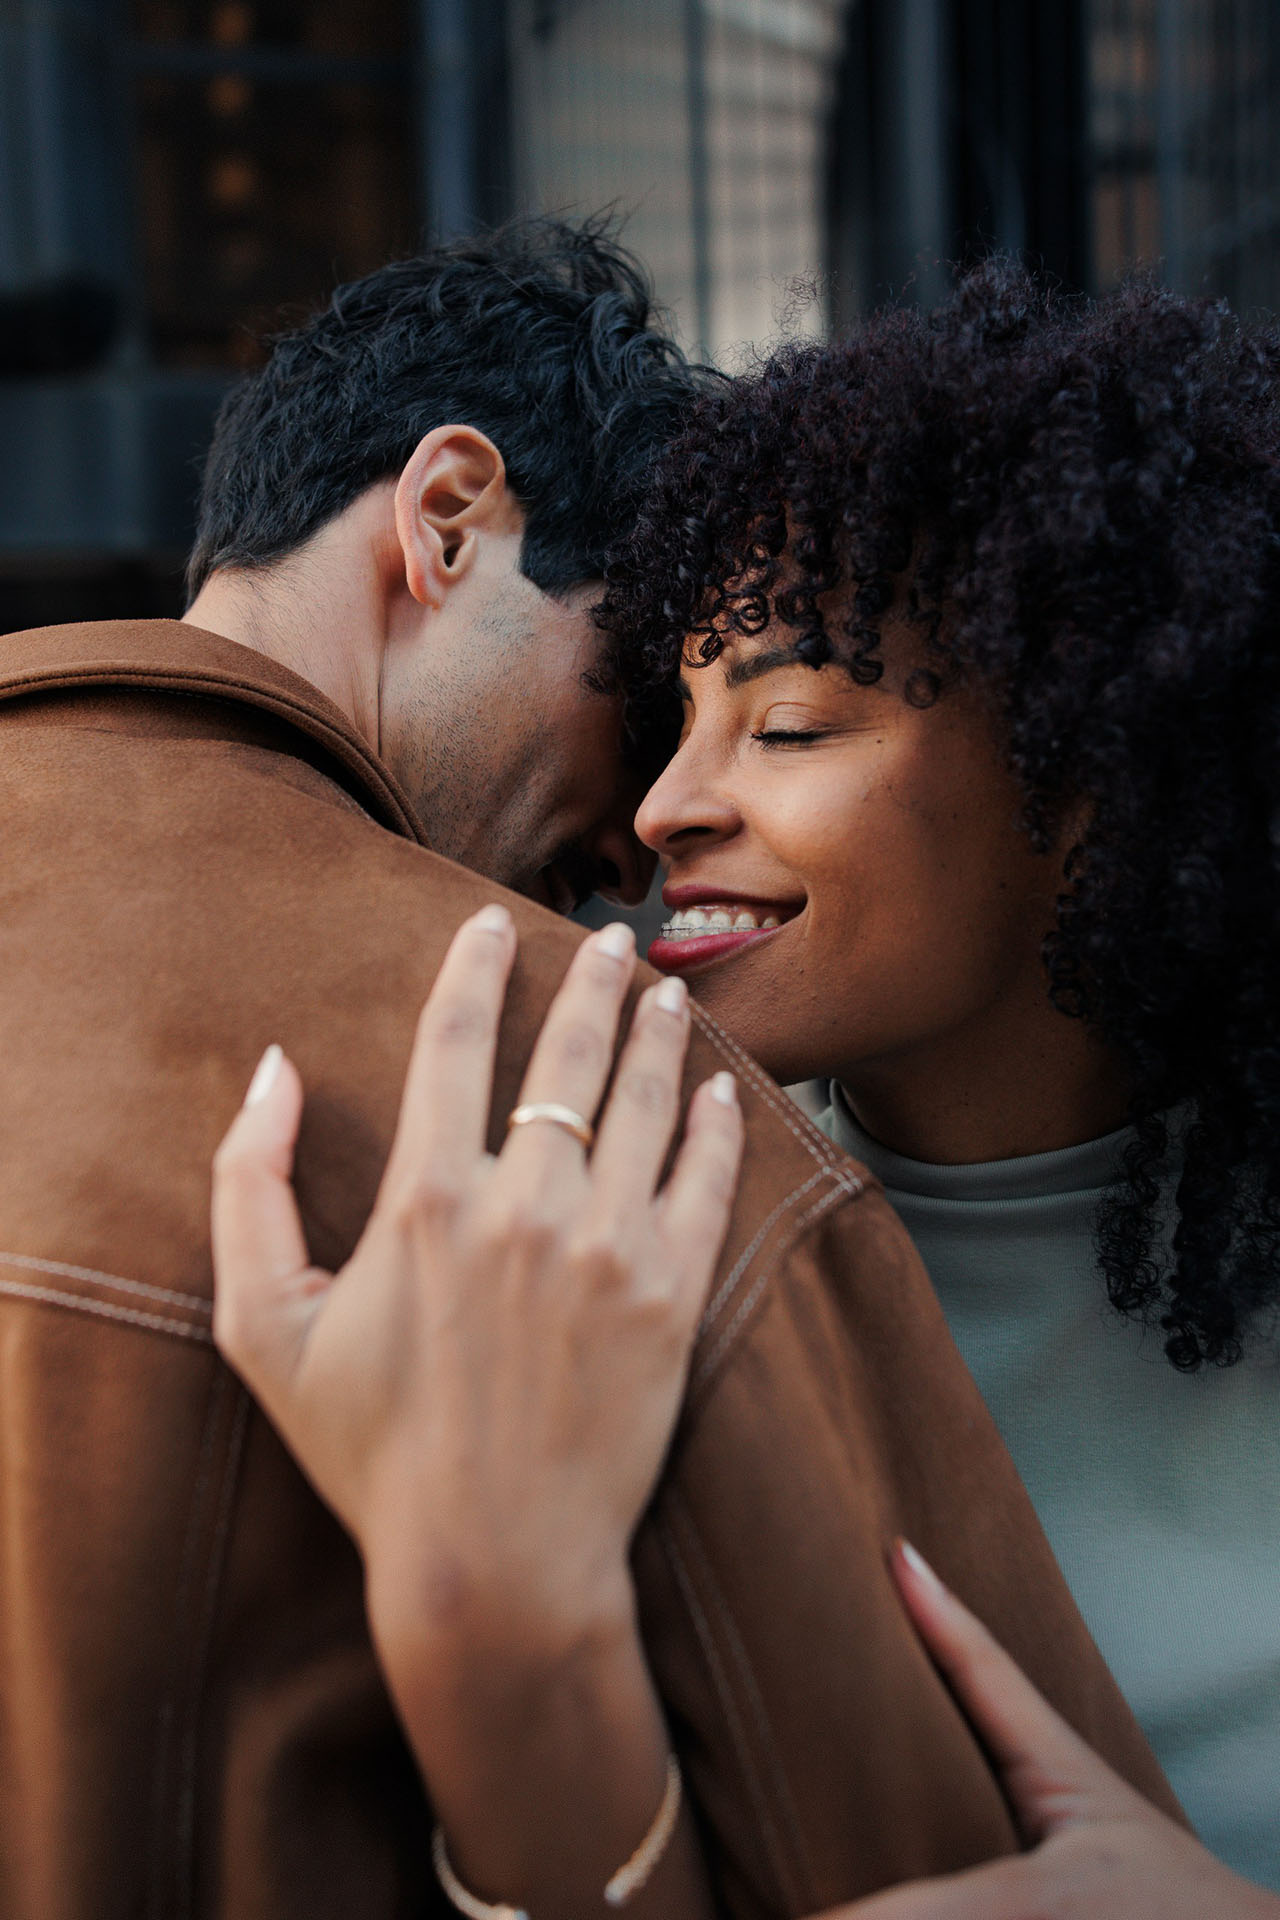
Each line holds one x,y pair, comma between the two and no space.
452,489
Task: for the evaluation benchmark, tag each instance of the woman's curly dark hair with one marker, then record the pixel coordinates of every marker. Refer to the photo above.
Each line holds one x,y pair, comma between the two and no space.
1085,498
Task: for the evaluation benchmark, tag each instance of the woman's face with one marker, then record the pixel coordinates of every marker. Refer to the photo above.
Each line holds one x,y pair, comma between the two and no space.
851,893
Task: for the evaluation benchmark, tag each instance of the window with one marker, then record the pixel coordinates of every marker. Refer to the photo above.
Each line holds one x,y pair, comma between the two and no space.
275,157
1186,144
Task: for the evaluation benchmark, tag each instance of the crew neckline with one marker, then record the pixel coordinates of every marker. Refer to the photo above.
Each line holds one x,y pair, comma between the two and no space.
1087,1168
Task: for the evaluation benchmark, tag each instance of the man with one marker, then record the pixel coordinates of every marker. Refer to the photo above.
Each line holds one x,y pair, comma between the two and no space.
434,579
216,834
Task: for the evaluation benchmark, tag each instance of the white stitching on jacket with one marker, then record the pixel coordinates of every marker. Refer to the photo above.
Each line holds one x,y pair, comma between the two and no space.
797,1123
155,1322
831,1162
195,1301
727,1285
846,1187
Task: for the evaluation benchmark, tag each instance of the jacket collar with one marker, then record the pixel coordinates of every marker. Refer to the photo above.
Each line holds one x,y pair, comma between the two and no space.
170,656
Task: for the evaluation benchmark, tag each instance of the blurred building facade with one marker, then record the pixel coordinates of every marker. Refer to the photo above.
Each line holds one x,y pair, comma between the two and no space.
180,177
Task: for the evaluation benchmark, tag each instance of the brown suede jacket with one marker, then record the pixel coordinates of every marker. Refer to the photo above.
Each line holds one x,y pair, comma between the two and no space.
198,856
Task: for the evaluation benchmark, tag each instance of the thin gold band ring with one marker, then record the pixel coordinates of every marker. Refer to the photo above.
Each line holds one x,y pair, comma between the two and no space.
556,1116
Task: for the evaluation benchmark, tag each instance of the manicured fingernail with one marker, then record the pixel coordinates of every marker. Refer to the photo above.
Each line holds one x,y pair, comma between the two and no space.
493,919
264,1076
617,940
919,1565
672,995
724,1088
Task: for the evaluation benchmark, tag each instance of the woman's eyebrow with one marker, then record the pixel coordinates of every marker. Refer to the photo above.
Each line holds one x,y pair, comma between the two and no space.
754,666
747,667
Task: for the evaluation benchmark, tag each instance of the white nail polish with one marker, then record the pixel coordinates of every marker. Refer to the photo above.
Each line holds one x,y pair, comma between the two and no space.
724,1088
617,940
672,995
493,919
918,1564
264,1076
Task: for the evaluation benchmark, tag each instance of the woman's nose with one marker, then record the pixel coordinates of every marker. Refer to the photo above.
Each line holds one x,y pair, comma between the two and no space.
685,805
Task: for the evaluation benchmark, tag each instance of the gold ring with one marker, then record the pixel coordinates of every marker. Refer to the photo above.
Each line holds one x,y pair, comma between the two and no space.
558,1116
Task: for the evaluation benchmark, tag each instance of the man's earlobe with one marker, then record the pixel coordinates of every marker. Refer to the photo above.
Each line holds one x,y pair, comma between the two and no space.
452,489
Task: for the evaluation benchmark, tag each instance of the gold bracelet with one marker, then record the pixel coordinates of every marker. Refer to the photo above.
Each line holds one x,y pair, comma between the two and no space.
619,1889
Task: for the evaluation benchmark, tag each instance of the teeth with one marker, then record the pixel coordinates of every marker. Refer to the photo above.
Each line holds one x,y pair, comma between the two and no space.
690,922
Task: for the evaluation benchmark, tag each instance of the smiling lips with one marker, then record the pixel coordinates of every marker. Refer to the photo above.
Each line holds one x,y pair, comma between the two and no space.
696,934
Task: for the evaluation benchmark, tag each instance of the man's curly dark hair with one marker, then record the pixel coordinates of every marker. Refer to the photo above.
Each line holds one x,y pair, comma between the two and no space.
1085,500
542,333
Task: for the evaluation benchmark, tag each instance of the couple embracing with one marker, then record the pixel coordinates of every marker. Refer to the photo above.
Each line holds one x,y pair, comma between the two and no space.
937,667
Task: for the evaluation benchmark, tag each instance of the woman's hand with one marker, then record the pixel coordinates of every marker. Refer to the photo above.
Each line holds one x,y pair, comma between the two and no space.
485,1393
1099,1849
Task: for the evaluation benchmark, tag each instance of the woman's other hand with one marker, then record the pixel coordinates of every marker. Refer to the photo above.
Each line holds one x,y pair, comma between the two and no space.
1098,1848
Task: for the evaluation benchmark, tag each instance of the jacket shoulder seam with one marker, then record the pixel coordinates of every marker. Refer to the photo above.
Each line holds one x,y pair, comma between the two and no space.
797,1123
95,1276
724,1292
198,1328
844,1185
103,1310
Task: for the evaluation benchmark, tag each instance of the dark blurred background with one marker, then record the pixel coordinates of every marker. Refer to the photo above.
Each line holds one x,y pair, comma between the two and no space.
179,177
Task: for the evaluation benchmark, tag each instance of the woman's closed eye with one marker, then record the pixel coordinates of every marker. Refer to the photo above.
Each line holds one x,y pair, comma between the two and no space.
789,736
789,723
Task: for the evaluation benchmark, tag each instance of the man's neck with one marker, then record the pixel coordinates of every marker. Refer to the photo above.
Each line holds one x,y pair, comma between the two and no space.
304,619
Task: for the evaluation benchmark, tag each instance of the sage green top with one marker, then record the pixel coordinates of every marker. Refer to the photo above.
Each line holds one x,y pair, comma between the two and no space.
1160,1492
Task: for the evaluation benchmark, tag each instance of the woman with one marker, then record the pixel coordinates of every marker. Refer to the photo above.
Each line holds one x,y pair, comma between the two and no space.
981,656
976,810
